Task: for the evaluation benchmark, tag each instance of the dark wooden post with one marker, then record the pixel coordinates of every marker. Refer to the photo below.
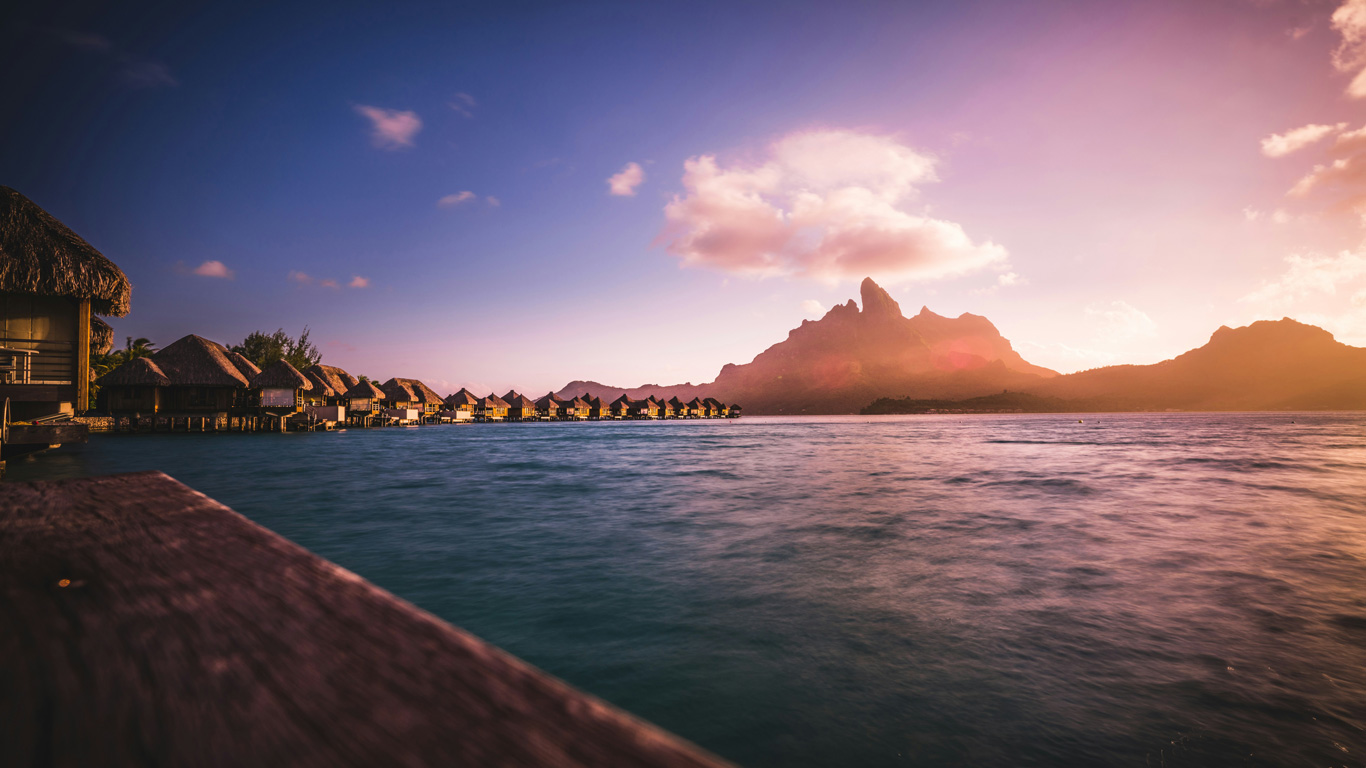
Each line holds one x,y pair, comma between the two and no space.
82,403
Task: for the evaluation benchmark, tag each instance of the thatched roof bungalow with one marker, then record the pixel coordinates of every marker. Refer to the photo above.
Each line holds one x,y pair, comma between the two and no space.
364,398
695,408
621,407
282,387
521,408
336,379
411,393
200,378
597,409
491,408
52,284
574,410
460,406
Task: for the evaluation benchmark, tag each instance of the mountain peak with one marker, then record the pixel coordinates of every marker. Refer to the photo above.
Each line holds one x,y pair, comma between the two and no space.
877,302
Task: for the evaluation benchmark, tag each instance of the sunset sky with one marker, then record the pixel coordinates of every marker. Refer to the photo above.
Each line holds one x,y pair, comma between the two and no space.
519,194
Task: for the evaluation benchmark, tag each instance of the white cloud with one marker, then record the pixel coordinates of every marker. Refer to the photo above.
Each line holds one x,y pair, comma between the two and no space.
1309,275
624,182
359,282
1282,144
1008,279
1349,20
463,104
214,268
1119,322
391,129
459,198
813,308
825,204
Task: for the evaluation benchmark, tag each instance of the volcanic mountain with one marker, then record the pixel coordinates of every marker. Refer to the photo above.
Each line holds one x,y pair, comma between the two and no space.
850,357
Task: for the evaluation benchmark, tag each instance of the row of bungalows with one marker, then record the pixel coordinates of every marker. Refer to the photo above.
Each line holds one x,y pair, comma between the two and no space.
198,383
652,407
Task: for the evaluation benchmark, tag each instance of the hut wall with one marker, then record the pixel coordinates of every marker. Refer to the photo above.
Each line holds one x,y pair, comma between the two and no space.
46,324
326,412
197,399
133,399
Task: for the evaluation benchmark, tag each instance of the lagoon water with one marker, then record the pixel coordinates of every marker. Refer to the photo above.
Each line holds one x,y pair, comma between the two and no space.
1131,590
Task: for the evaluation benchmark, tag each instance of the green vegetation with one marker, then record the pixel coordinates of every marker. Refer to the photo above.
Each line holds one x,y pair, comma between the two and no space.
1006,402
102,364
264,349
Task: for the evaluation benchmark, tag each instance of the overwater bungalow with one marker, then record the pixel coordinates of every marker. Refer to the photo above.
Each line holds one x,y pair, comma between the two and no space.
52,286
491,408
411,394
644,409
713,407
199,380
621,407
460,406
733,412
336,379
695,408
521,408
322,403
548,407
364,403
574,410
597,409
282,388
666,411
677,408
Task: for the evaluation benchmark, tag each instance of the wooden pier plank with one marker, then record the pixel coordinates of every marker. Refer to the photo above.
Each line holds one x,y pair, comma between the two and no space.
142,623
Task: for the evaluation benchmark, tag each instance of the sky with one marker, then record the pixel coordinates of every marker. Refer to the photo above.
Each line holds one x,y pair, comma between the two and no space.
520,194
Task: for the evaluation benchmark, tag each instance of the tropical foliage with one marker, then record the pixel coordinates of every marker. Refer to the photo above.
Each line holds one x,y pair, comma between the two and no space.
264,349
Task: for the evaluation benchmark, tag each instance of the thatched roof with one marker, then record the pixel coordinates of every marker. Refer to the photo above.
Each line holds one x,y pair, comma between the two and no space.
521,401
320,387
695,403
711,402
365,388
138,372
623,400
578,403
675,402
493,401
41,255
549,402
463,397
101,336
595,402
197,362
244,366
409,390
281,375
511,395
335,378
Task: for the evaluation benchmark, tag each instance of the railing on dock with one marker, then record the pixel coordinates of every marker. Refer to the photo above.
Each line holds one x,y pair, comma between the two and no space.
146,624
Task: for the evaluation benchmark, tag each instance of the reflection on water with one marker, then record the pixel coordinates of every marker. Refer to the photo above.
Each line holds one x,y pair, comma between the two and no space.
1130,590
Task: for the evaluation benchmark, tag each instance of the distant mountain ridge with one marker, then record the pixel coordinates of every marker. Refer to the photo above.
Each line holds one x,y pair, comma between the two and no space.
851,357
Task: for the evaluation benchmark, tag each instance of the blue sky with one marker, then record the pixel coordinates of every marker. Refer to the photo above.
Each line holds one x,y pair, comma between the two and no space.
1088,178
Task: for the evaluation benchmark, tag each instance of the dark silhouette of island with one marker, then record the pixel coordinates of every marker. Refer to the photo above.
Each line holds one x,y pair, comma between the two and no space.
876,360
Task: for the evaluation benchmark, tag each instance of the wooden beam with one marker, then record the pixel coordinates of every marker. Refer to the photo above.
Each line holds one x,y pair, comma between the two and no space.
82,403
146,624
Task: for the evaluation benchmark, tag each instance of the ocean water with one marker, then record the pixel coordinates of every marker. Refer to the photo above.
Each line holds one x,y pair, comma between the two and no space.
1124,590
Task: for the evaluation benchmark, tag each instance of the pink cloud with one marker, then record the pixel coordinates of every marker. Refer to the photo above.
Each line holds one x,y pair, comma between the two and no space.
214,268
391,129
826,204
1282,144
359,282
329,283
459,198
624,182
300,277
493,201
1349,21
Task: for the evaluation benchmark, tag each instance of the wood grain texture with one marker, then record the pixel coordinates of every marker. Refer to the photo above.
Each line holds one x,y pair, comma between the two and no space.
142,623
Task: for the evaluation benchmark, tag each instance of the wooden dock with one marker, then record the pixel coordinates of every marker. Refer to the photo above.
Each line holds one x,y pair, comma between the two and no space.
142,623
